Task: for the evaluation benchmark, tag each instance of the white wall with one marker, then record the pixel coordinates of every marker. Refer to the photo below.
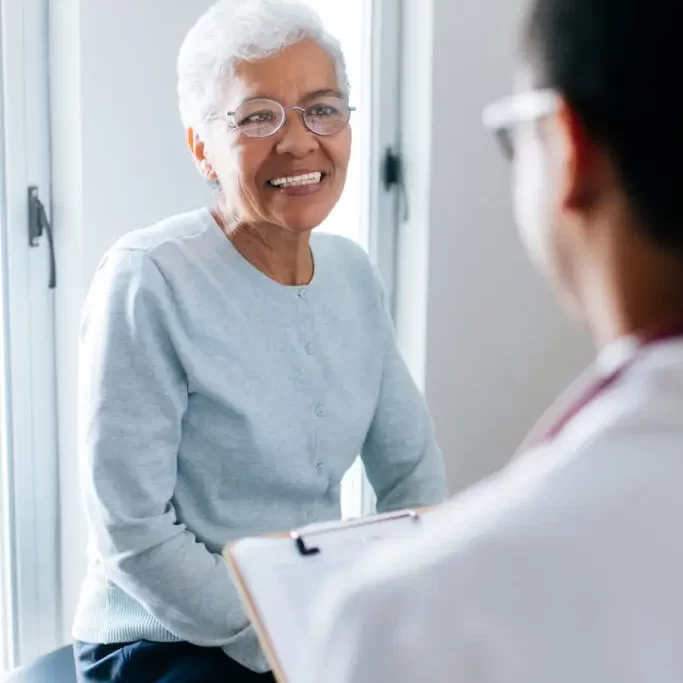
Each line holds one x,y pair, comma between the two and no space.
497,346
119,163
481,333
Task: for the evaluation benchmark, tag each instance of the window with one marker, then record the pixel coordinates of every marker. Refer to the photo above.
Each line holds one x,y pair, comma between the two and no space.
366,213
28,445
33,619
350,216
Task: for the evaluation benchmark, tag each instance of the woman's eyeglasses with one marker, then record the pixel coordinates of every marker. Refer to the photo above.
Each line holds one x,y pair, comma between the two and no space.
261,118
502,116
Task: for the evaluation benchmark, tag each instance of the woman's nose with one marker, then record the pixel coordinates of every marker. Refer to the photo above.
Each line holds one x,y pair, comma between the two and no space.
295,138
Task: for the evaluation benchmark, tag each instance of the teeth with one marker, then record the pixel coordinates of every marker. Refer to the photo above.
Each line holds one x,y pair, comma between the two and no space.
297,180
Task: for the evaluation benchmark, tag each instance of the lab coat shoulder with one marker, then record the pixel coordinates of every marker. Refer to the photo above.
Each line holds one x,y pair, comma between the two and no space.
524,554
404,614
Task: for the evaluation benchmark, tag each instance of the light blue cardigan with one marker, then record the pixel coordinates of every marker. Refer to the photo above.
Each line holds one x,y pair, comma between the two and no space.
216,403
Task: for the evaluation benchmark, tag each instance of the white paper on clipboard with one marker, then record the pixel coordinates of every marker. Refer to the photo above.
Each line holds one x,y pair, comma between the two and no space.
279,579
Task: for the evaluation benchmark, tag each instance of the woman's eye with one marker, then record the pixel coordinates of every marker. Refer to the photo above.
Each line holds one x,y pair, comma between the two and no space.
322,110
258,117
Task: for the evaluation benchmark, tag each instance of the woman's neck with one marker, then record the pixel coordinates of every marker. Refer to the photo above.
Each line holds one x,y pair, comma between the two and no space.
283,256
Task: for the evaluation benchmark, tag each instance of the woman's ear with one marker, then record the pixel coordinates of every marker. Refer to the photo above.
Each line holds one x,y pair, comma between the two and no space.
196,145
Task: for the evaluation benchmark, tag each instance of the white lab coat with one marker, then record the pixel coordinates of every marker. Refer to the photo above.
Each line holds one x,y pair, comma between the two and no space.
567,567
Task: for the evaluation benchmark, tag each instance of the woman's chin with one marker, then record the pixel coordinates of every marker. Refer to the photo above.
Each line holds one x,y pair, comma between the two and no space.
303,213
303,221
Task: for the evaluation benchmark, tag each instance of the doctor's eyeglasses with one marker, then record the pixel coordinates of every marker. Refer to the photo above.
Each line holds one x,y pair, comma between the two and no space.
502,116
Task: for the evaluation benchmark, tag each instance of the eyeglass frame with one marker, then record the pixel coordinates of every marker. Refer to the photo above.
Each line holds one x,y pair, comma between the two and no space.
285,110
524,107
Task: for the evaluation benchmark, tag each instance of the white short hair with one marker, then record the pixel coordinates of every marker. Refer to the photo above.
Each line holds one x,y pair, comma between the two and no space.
233,31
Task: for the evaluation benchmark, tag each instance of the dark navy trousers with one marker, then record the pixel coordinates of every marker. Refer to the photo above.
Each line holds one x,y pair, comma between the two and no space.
146,662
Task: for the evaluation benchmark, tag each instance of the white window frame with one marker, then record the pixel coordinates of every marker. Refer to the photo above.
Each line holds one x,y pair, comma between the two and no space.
383,93
385,98
29,427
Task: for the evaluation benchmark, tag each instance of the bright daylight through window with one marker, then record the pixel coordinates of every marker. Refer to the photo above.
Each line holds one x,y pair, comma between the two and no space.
350,216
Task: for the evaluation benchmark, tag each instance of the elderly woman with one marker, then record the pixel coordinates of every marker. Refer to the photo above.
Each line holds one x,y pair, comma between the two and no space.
234,363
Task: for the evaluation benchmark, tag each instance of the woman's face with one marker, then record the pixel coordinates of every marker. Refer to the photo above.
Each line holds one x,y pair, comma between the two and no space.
246,166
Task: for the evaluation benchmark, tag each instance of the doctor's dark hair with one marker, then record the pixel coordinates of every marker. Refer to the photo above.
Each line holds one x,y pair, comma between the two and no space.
619,64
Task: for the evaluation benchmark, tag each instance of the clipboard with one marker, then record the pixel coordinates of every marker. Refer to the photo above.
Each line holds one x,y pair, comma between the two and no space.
279,578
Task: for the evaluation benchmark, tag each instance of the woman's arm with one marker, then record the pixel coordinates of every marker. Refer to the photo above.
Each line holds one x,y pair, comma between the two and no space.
133,394
400,454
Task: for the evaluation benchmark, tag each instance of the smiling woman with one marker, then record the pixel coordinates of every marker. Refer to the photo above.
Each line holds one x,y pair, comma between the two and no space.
292,130
235,360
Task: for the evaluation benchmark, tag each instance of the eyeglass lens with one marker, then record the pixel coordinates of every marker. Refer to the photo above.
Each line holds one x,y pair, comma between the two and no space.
504,136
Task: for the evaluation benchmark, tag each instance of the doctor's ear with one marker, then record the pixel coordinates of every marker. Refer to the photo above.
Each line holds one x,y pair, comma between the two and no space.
201,161
578,158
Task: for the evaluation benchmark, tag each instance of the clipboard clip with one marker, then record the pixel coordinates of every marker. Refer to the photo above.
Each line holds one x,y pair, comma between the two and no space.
308,551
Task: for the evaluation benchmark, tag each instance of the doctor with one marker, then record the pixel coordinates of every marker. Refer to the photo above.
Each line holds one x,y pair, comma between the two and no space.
566,567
